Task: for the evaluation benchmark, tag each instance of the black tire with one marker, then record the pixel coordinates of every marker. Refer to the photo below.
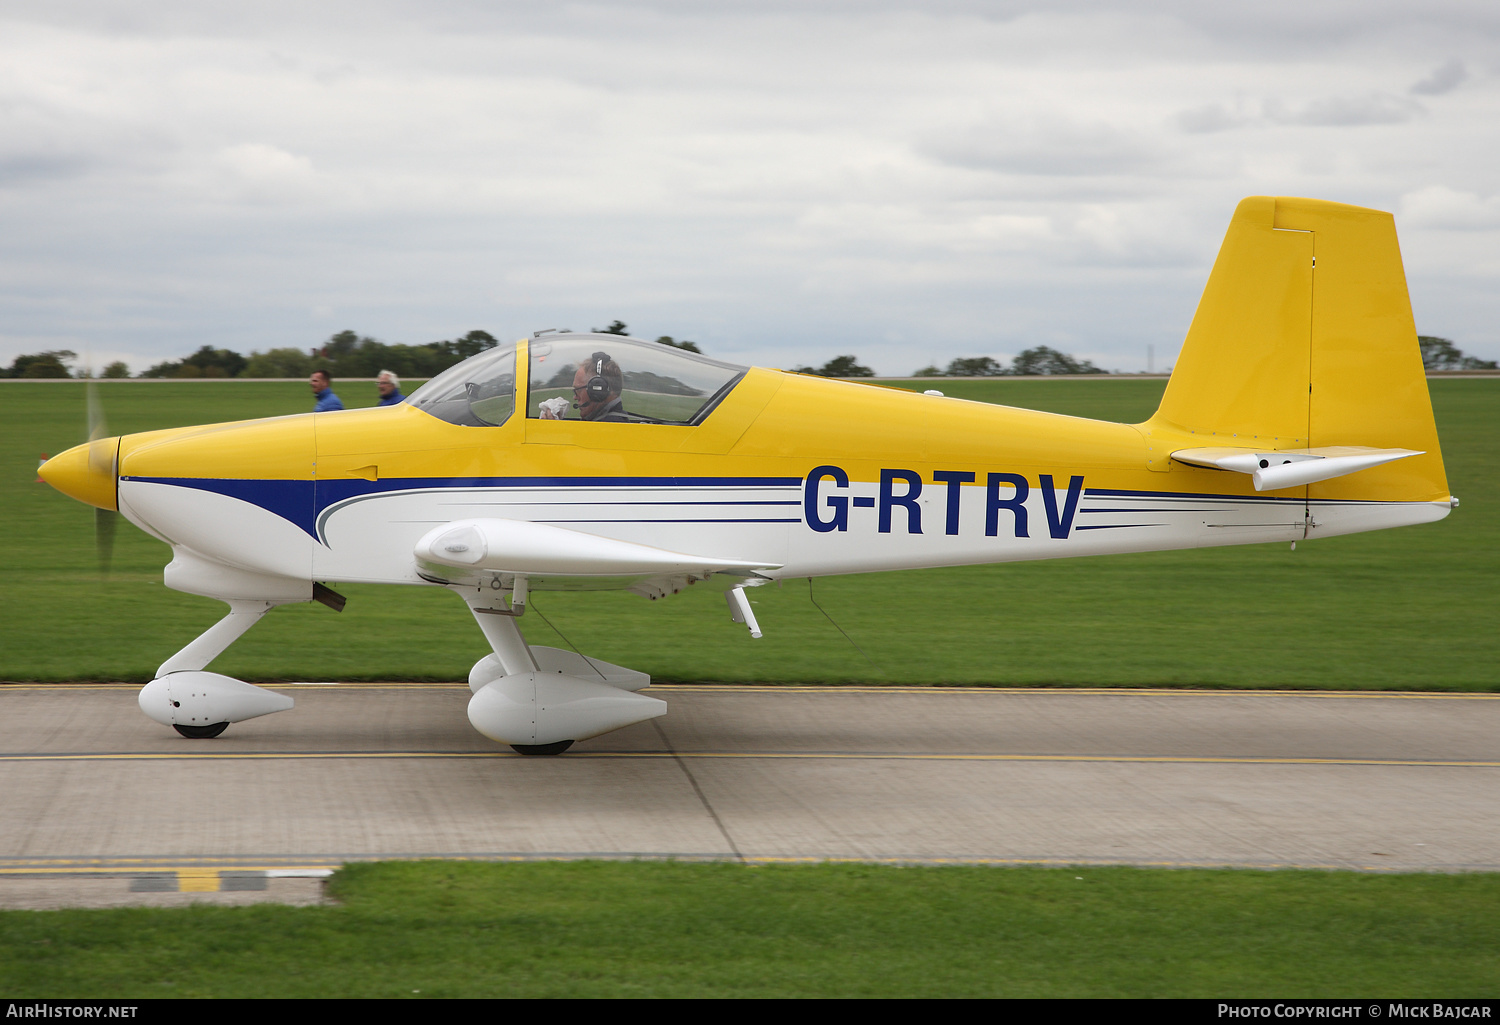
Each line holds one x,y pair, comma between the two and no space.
543,749
201,732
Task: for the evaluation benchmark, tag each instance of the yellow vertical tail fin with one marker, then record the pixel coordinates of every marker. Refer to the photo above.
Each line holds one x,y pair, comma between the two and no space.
1304,339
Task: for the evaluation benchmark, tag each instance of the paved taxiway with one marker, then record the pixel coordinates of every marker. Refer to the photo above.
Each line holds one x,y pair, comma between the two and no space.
88,784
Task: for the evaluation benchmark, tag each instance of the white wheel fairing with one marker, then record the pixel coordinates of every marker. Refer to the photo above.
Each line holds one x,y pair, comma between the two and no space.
556,660
205,699
546,707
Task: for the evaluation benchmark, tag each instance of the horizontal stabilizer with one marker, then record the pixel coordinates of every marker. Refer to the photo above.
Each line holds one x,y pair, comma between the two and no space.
1290,468
542,550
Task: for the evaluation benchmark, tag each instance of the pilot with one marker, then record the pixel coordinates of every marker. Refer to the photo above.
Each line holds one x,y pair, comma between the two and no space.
597,385
389,386
322,391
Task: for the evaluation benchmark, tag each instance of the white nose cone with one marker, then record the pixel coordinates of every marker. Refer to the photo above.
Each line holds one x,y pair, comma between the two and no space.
545,708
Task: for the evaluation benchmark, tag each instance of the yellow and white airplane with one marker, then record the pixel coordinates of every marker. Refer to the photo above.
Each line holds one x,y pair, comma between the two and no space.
1298,408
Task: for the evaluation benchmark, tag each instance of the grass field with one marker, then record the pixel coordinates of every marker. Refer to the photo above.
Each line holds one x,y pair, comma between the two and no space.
1412,608
453,929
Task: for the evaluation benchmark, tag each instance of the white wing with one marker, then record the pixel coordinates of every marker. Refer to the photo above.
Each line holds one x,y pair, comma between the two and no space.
464,551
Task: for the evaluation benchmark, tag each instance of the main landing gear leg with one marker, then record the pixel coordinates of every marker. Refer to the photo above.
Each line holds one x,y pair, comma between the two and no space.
210,644
498,623
542,700
511,650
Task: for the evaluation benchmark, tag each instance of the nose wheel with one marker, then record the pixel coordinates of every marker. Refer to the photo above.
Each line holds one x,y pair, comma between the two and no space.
533,749
204,732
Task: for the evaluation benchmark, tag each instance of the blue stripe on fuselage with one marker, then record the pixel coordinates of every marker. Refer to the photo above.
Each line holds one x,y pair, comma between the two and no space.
302,501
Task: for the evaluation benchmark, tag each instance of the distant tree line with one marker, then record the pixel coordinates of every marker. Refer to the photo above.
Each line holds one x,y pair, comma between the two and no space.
1441,354
345,354
618,328
52,363
839,366
1040,361
1032,362
348,354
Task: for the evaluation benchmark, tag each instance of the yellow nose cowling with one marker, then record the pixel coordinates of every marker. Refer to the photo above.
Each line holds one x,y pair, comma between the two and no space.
85,472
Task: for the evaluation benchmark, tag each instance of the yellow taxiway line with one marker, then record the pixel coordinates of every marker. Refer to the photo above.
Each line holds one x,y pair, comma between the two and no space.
149,756
864,688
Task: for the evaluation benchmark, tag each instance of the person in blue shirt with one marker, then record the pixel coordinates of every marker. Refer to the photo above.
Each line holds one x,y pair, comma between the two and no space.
389,386
327,400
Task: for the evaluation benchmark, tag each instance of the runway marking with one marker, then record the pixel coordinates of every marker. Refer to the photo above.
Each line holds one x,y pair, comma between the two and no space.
767,755
197,868
765,688
198,880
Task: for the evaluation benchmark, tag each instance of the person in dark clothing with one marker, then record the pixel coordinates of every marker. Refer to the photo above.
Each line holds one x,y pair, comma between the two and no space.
322,391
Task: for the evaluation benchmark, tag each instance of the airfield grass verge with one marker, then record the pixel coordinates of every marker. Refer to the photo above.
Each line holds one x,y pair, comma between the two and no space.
1407,609
663,929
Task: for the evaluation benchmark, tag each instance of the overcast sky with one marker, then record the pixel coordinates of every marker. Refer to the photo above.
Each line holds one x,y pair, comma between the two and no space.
782,182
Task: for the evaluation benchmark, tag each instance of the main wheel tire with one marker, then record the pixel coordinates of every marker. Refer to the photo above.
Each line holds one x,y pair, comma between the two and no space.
204,732
543,749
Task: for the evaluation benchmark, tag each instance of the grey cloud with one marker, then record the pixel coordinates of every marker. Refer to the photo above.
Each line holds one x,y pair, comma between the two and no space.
1451,209
49,141
1271,25
53,153
1445,79
807,172
1215,117
26,168
1052,149
1323,112
1345,111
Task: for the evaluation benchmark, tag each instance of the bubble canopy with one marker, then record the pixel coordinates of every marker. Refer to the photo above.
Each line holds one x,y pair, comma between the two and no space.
479,392
655,383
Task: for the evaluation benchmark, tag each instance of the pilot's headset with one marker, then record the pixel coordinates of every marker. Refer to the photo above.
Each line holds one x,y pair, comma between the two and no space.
599,389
